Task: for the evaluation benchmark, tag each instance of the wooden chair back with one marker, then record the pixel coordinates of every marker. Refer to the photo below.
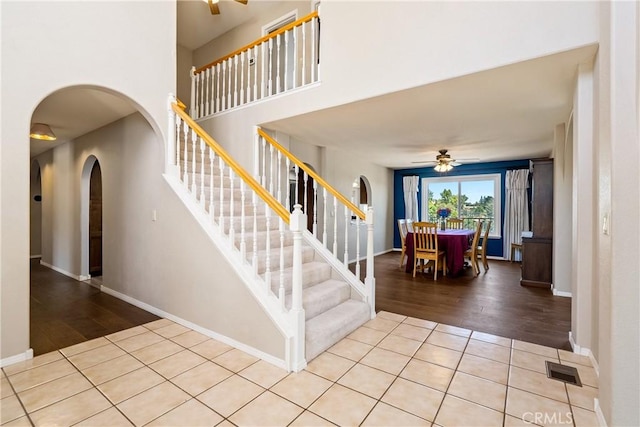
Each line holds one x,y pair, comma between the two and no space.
425,238
472,252
402,229
425,246
409,223
455,223
483,248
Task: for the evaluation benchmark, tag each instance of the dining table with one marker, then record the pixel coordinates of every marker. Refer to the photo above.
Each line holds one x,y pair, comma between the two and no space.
453,242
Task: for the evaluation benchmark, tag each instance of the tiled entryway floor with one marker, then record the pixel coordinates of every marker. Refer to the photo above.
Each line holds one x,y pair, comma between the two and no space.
393,371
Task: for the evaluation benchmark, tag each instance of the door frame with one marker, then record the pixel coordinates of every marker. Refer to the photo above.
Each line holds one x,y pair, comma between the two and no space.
85,198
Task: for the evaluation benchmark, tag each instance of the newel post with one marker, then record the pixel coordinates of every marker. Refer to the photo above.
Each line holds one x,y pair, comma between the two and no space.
170,161
297,225
192,109
370,281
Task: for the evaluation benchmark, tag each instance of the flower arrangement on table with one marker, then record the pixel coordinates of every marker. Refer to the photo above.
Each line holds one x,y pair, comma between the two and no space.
443,213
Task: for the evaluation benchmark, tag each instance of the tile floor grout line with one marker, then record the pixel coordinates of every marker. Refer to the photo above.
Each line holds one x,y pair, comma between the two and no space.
95,386
15,393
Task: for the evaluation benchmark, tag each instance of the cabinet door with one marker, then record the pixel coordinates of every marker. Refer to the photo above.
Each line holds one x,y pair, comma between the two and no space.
542,199
536,262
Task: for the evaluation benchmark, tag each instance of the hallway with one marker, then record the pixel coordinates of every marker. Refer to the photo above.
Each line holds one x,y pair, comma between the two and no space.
65,312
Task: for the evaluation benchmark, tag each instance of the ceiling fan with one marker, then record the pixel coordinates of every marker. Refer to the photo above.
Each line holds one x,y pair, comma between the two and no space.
444,162
215,9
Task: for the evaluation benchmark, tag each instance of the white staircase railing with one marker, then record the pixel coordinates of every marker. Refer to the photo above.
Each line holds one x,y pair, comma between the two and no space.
285,59
237,206
332,219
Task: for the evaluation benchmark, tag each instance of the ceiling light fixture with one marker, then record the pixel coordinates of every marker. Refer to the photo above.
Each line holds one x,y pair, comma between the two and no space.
42,131
443,167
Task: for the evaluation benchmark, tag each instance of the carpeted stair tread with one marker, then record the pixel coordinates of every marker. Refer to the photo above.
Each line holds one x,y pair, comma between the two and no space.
328,328
313,273
319,298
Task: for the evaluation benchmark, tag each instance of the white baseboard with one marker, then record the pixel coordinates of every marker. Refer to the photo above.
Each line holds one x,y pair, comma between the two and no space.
583,351
17,358
602,422
35,256
561,293
211,334
65,272
364,258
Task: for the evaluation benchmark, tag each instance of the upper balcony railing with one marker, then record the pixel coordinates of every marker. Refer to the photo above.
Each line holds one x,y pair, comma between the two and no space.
283,60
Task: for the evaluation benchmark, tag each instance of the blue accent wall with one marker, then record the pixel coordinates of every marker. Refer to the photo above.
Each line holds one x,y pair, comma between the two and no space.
495,245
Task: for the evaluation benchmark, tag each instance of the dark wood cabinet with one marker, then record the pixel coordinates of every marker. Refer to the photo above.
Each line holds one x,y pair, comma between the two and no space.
537,255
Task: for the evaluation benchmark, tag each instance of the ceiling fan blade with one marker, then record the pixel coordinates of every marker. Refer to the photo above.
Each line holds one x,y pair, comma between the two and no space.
425,162
242,1
213,7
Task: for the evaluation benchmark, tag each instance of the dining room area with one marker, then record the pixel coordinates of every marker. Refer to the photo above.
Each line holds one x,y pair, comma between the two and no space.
457,256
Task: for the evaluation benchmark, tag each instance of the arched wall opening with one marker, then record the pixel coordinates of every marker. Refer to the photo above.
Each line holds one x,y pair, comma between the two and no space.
91,218
35,211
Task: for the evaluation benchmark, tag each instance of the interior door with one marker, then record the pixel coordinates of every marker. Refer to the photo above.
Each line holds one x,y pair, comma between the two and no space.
95,221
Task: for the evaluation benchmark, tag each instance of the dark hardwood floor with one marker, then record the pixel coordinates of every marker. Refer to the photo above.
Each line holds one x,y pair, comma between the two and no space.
65,312
493,302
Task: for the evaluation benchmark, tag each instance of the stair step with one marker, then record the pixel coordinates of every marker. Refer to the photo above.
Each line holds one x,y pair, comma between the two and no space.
261,238
261,222
313,273
319,298
274,258
326,329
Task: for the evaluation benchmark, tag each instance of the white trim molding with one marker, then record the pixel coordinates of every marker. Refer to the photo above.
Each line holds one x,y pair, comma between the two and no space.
211,334
27,355
561,293
583,351
602,422
65,272
35,256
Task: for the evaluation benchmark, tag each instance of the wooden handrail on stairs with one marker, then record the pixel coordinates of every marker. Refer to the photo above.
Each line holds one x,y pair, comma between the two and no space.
335,193
281,61
272,35
178,108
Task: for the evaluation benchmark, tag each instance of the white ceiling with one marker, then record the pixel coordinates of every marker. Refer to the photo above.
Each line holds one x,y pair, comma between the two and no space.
505,113
500,114
197,26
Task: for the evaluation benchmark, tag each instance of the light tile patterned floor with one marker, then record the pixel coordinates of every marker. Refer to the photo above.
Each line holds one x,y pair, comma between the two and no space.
392,371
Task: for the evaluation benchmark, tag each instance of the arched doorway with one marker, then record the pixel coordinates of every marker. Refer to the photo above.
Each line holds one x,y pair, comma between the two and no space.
35,211
95,220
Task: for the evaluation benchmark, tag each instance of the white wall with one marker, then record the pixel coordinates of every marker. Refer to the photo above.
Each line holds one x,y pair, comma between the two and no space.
88,43
248,32
387,49
185,62
562,211
170,263
617,130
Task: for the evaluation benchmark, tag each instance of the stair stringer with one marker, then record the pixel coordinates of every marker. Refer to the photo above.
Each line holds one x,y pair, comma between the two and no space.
254,283
339,268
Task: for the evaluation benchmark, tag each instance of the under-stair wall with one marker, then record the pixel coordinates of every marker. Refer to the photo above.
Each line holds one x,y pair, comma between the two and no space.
307,290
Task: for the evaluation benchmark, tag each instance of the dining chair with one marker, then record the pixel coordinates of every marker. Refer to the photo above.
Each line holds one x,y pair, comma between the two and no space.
409,223
455,223
425,248
472,252
482,249
402,229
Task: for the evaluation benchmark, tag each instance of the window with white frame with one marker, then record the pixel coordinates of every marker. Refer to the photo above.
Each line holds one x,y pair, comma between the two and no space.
470,198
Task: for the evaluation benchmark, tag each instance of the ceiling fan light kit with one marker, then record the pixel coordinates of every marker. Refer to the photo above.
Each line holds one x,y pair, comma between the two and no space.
215,9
